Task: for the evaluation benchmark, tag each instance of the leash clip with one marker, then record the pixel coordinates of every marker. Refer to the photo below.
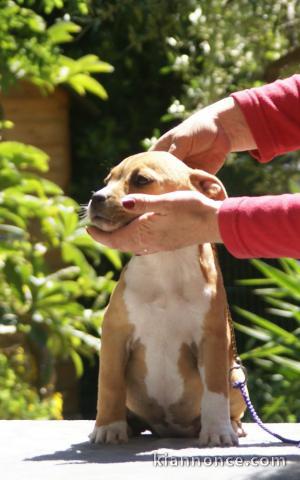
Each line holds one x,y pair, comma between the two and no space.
238,366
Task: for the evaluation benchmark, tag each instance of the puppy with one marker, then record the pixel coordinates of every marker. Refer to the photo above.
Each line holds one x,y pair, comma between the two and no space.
166,346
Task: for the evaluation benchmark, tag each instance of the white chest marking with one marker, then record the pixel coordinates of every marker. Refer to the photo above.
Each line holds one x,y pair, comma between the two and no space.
167,300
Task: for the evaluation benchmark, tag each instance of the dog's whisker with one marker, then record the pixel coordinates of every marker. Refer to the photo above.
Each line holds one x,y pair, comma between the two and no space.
82,212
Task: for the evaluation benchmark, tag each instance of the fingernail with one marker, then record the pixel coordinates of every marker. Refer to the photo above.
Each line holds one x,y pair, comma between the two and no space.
128,203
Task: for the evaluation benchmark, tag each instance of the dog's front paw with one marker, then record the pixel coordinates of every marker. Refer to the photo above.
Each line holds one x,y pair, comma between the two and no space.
217,436
115,432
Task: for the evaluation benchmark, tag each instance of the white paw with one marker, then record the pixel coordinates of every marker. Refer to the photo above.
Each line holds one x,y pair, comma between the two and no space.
238,428
218,436
115,432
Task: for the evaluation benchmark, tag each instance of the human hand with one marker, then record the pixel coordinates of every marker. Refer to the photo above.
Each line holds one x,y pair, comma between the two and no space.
166,222
205,138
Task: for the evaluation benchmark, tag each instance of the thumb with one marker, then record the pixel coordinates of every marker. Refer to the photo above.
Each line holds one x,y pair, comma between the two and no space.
181,146
140,203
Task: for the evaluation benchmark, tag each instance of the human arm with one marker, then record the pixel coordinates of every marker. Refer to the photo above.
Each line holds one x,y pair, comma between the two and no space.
263,120
266,227
252,227
165,222
272,113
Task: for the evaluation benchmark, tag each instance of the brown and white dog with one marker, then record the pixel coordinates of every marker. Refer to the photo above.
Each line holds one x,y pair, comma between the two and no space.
166,347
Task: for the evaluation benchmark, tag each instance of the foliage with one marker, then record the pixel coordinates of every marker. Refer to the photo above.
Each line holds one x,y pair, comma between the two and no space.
215,59
275,347
18,400
50,294
49,291
30,49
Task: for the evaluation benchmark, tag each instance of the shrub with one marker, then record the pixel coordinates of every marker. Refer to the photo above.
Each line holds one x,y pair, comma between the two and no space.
50,293
18,399
274,348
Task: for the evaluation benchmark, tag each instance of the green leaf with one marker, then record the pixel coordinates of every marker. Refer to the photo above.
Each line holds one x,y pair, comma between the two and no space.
77,362
264,351
90,340
10,232
57,298
41,186
289,265
14,277
282,304
50,188
253,332
62,31
24,156
269,326
286,309
254,281
112,255
8,215
69,220
66,273
282,279
287,362
92,64
82,83
72,254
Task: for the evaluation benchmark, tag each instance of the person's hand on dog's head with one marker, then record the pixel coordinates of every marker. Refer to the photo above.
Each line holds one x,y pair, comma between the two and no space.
205,138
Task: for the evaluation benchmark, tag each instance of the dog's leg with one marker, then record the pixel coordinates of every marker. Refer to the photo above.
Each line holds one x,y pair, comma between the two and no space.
111,425
216,428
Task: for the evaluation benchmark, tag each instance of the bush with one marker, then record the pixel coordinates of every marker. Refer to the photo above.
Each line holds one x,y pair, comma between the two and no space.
18,399
273,349
50,293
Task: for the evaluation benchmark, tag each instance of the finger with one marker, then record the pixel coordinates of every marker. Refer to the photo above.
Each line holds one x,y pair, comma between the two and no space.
104,238
163,143
208,162
140,203
125,239
179,147
178,150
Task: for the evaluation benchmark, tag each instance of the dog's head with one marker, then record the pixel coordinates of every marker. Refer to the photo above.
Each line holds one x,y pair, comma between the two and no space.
151,173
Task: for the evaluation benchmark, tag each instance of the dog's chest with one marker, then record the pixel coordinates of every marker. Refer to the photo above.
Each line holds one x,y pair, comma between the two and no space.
167,300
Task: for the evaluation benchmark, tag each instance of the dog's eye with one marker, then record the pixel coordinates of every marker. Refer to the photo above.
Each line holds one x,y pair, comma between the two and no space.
140,180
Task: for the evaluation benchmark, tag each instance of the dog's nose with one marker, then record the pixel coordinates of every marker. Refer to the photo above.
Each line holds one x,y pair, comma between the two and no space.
98,198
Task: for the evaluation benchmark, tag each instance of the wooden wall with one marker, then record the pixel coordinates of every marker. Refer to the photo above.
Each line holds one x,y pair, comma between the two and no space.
42,121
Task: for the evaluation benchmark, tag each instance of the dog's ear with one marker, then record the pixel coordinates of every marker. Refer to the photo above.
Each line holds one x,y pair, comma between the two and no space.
208,184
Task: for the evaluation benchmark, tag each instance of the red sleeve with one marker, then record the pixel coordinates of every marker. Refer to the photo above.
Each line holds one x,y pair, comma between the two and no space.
273,115
267,226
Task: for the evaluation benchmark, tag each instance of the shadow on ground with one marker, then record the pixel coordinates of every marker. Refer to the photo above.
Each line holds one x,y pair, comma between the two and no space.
143,449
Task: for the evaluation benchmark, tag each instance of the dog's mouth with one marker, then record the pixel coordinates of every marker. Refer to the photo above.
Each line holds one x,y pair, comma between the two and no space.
103,223
107,224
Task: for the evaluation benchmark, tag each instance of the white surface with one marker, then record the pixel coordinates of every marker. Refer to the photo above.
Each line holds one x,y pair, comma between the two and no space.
56,450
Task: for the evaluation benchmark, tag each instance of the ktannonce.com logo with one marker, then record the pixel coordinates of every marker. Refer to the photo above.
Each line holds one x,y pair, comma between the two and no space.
166,460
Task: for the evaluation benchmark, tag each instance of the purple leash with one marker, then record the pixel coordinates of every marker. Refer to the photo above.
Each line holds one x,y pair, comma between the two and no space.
241,385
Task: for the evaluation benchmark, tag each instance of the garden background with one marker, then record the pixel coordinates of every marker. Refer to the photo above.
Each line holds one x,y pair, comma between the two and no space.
118,74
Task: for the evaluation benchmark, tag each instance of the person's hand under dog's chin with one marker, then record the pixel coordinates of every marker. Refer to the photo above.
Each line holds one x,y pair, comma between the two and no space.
166,222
